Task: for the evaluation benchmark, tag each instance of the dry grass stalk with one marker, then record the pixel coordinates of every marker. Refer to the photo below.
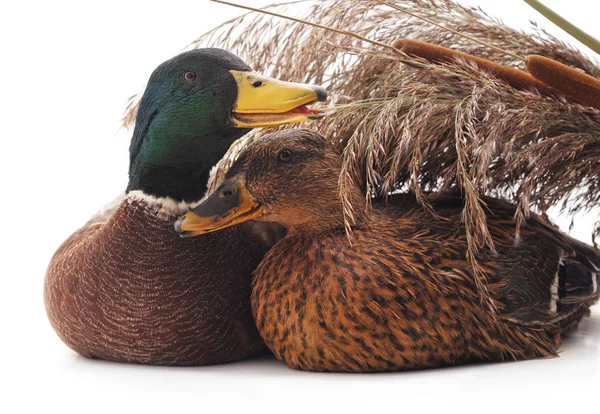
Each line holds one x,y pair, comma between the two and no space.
406,123
549,78
516,78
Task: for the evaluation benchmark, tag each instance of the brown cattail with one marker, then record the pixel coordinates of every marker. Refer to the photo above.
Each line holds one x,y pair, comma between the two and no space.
399,125
438,54
575,85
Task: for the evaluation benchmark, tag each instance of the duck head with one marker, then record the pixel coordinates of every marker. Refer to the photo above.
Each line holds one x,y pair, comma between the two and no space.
288,177
194,106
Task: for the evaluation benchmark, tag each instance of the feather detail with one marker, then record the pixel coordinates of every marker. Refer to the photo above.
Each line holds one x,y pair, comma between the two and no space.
127,288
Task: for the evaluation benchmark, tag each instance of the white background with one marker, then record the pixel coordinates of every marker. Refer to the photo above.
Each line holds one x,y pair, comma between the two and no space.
66,70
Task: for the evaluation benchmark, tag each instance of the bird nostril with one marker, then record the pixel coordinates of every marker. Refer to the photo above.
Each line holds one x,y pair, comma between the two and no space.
227,193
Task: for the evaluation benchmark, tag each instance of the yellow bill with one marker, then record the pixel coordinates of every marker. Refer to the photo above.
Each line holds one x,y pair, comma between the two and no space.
264,101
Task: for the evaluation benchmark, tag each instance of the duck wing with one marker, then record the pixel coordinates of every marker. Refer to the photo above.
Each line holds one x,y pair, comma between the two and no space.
546,278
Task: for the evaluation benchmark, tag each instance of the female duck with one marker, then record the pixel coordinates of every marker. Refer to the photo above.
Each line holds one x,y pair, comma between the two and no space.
125,287
399,293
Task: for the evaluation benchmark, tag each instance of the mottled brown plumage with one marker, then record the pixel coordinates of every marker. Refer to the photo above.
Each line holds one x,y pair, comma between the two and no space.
399,293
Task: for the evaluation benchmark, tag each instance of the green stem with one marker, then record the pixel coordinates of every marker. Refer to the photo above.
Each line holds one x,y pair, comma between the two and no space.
567,26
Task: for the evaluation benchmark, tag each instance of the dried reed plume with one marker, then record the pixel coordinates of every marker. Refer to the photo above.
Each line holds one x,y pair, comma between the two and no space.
404,123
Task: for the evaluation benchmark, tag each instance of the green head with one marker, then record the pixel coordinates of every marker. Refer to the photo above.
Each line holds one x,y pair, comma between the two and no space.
194,107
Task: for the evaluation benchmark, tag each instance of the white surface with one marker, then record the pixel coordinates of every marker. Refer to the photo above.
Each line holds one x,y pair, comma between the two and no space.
66,71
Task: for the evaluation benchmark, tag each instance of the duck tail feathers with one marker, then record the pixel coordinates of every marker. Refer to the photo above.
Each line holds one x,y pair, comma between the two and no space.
578,277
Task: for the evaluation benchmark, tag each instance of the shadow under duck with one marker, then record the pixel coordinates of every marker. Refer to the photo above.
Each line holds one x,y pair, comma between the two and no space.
125,287
398,292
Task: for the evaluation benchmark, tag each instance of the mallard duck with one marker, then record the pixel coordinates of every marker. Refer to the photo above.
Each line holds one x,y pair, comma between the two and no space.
125,287
397,292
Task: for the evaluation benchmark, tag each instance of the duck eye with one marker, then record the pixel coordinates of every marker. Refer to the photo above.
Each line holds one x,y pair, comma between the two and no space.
189,75
257,83
285,155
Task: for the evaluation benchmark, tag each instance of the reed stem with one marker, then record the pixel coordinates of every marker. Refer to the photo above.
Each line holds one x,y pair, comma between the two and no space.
345,32
416,16
565,25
